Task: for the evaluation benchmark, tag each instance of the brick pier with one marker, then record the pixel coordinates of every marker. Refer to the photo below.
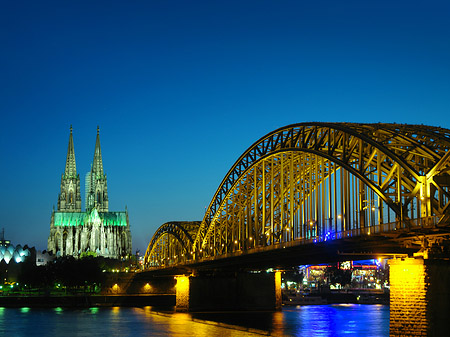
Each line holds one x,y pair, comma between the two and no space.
420,297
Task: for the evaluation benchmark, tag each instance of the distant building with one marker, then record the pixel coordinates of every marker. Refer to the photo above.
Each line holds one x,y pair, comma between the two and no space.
44,257
13,254
10,254
74,232
12,260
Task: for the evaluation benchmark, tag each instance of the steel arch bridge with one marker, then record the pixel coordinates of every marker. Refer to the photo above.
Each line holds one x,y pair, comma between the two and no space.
312,182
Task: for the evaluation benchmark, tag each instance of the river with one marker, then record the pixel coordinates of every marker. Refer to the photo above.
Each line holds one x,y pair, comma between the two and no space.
314,320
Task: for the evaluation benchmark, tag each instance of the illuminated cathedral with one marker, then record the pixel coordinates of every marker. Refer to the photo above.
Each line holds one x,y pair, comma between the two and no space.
95,230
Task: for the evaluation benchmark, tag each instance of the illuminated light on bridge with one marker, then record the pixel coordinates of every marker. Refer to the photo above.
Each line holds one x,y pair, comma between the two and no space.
147,288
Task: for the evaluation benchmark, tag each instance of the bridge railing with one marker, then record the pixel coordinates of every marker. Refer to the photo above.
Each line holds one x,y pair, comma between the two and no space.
376,229
369,230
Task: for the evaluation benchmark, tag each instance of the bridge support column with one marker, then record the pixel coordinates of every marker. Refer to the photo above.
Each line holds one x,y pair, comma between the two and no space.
182,293
420,297
234,292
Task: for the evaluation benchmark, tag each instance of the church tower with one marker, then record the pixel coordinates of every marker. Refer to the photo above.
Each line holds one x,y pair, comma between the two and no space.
95,231
96,184
69,199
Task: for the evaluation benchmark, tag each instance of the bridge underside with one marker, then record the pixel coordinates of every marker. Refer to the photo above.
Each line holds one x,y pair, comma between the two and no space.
285,256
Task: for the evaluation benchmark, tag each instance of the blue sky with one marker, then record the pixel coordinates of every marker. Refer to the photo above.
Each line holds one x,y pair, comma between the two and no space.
181,88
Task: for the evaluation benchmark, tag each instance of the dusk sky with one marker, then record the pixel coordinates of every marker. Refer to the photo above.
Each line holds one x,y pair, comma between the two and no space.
180,89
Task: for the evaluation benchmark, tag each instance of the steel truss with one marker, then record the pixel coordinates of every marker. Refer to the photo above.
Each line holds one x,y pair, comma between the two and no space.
171,244
319,180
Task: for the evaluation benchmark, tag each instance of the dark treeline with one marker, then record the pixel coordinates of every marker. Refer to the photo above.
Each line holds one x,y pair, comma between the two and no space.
68,273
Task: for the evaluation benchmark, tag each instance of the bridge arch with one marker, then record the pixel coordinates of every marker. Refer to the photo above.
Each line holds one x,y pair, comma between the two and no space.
172,242
311,182
396,165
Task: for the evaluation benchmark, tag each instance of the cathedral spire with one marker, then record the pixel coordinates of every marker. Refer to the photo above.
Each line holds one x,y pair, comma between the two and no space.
96,185
97,165
71,167
69,199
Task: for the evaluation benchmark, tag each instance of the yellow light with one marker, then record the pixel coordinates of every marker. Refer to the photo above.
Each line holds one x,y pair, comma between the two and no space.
278,288
235,241
339,216
373,208
182,283
147,288
182,293
288,229
251,238
310,222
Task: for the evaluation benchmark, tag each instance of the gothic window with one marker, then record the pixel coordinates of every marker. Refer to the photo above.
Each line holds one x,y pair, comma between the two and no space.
64,244
57,242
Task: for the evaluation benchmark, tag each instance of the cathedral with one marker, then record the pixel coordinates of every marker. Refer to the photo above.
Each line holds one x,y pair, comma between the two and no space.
95,230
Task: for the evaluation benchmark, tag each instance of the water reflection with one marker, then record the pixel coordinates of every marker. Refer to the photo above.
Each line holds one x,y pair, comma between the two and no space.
321,320
278,323
115,310
93,310
318,320
58,310
336,320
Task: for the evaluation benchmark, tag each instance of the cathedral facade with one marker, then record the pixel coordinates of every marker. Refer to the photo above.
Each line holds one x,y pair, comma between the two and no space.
95,230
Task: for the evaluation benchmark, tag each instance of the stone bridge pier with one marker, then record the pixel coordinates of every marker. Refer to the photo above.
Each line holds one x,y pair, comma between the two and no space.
420,297
237,291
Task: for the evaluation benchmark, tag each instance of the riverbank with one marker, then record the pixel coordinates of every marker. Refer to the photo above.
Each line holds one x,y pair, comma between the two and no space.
88,301
169,300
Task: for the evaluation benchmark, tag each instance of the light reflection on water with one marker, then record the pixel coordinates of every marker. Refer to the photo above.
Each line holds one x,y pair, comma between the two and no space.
319,320
337,320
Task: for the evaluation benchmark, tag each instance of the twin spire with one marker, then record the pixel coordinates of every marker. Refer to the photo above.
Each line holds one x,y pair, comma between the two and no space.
96,185
71,167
